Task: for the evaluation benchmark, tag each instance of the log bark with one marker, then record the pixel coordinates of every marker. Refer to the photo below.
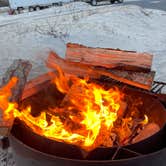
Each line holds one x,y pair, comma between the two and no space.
19,69
137,79
109,58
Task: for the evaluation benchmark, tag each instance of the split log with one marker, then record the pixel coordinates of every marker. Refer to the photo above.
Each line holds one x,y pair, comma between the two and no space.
109,58
17,73
137,79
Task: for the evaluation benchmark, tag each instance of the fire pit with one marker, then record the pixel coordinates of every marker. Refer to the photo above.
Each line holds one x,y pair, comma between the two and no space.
67,118
31,148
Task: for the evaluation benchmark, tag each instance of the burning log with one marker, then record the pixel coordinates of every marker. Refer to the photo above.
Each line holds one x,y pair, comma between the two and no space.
35,85
123,107
137,79
109,58
148,131
12,85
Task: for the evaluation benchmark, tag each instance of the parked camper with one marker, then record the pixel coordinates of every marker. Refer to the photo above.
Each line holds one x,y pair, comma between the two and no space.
19,5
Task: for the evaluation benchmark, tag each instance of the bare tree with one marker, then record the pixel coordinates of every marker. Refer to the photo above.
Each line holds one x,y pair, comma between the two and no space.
61,26
55,29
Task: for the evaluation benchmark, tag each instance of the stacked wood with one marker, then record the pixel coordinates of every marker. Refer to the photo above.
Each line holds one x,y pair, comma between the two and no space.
19,70
125,66
138,79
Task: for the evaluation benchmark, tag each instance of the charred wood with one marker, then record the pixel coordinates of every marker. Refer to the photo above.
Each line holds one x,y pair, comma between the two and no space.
37,84
148,131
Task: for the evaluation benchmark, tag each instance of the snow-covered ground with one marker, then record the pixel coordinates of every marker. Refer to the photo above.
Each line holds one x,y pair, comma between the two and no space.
128,27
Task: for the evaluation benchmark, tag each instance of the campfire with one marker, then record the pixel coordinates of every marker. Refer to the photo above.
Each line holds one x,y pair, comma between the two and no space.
85,110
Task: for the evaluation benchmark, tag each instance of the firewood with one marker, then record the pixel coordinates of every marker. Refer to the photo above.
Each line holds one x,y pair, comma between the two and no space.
137,79
122,109
109,58
35,85
148,131
18,70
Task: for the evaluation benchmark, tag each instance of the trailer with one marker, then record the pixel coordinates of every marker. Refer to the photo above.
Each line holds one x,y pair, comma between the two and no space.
18,6
95,2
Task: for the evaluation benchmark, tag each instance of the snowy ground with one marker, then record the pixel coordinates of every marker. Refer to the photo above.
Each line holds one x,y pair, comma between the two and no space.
127,26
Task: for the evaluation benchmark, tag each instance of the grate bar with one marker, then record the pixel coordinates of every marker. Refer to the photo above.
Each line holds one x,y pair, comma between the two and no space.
131,151
158,87
116,153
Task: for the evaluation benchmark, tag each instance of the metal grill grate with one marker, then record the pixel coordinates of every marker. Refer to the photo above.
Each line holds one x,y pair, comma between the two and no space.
158,87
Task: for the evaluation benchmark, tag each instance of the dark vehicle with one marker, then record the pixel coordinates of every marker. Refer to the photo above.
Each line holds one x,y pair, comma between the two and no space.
94,2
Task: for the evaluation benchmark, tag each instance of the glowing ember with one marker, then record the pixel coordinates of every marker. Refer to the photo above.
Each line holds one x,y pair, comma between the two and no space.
85,118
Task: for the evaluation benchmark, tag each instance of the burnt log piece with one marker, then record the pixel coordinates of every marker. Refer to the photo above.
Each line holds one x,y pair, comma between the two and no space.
148,131
122,109
137,79
36,85
16,74
109,58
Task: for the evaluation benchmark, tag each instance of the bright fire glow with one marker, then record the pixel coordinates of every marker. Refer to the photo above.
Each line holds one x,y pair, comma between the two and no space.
86,118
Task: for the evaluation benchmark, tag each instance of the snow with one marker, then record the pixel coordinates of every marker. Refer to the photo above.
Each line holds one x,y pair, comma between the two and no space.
127,27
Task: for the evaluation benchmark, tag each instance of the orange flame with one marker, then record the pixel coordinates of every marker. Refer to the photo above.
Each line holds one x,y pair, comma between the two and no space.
7,107
86,116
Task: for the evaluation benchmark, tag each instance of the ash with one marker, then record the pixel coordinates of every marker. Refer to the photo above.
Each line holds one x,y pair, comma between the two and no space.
6,157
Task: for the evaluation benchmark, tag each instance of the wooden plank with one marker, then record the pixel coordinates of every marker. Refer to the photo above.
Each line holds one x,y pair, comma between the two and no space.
109,58
12,85
141,80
